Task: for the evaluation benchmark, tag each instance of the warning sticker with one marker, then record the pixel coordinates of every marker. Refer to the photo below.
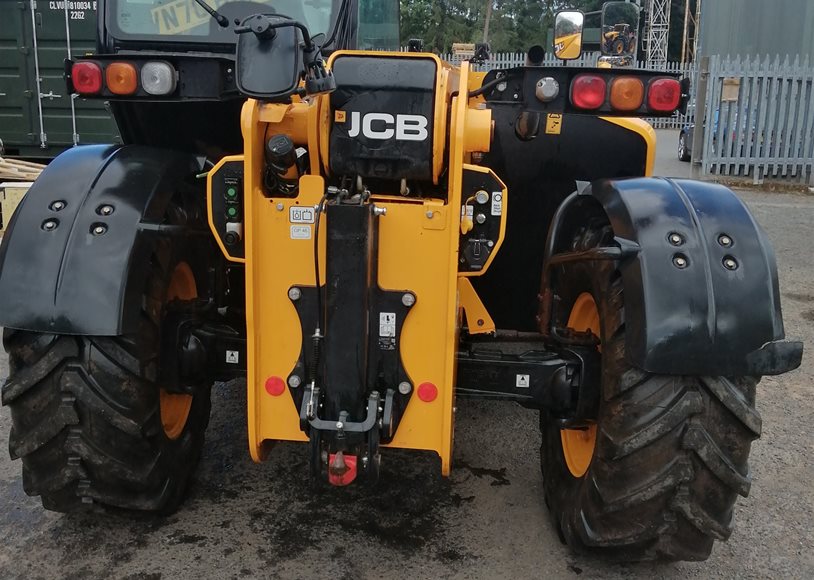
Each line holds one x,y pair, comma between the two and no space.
301,215
553,124
387,324
232,357
300,232
522,382
497,202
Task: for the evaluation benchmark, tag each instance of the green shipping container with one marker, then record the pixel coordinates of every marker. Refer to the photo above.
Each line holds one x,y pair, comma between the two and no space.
41,119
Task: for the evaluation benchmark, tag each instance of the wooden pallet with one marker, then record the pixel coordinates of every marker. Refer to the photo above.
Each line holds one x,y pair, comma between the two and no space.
17,170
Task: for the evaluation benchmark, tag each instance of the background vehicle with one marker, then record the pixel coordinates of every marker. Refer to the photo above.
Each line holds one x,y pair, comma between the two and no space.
619,39
369,244
685,138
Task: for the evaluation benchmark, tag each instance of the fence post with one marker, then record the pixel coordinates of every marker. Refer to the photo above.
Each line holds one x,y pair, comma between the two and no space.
700,113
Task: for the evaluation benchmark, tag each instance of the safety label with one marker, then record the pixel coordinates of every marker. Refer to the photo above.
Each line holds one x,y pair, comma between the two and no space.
553,124
232,357
522,382
300,232
497,202
301,215
387,324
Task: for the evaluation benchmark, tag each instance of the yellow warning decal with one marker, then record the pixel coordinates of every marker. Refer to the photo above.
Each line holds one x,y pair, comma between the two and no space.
339,116
553,124
182,15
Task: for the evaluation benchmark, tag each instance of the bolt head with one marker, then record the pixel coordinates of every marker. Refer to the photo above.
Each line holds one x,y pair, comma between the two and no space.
99,230
480,218
730,263
408,299
339,425
405,388
58,206
675,239
49,225
430,213
294,293
725,240
105,210
680,261
280,206
490,243
294,381
481,196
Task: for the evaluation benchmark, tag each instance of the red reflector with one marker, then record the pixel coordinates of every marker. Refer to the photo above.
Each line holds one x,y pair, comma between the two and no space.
86,78
427,392
275,386
664,95
588,92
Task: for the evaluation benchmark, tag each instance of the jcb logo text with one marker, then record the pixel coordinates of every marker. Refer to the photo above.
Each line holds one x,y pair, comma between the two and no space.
385,126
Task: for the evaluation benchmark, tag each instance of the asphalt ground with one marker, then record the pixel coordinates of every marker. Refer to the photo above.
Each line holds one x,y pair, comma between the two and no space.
486,521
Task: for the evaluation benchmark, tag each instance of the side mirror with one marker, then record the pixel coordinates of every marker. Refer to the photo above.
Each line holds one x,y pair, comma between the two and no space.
620,28
568,26
268,58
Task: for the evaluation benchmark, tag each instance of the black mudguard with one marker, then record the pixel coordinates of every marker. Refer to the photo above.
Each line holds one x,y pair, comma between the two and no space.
67,280
704,318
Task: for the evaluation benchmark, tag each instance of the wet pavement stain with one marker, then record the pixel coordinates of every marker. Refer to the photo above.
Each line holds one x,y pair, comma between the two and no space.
498,475
404,512
799,297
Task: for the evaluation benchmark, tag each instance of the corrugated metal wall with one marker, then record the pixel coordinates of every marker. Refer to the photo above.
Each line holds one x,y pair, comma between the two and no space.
757,27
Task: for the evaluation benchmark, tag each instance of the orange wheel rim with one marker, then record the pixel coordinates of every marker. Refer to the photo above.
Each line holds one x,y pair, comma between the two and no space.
578,444
175,408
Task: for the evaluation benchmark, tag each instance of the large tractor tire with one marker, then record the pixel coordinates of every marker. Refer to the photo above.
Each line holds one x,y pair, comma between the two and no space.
657,475
89,420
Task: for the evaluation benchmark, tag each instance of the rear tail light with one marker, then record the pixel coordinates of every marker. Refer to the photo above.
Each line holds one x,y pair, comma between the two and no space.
588,92
626,94
86,78
121,78
664,95
158,78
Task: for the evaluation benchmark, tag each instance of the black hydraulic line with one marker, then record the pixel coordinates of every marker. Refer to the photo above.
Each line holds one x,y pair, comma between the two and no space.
320,312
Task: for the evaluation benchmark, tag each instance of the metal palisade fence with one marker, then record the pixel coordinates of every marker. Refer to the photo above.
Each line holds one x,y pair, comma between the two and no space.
501,60
759,118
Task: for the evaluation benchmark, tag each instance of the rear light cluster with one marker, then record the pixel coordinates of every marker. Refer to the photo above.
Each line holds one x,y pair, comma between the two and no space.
155,78
625,94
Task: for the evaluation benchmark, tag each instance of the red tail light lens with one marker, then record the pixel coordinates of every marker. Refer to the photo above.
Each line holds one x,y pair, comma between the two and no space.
86,78
664,95
588,92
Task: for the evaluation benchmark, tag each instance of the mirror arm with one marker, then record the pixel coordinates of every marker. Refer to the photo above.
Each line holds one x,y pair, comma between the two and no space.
269,34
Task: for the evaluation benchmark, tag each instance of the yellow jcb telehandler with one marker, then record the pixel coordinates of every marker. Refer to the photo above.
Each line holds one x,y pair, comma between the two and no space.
366,235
